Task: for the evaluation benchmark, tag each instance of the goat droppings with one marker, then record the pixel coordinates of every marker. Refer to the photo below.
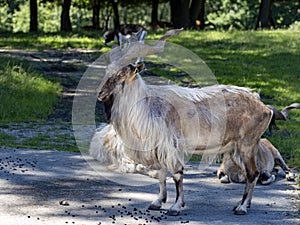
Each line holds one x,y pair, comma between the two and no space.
64,203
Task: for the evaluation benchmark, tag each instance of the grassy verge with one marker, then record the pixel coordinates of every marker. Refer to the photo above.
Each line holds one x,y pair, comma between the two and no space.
38,135
42,41
27,99
25,95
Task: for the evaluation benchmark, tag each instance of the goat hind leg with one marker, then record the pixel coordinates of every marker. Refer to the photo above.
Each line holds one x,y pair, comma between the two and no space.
266,177
289,175
176,208
162,196
248,159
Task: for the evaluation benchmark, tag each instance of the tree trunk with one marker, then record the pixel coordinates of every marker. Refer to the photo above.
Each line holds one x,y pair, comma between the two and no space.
65,21
96,13
33,16
116,13
194,12
154,13
265,19
197,11
298,11
180,13
201,16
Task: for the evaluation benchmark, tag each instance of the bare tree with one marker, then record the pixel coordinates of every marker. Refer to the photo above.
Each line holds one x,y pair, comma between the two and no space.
265,19
154,13
180,13
65,21
197,10
96,13
185,13
116,13
33,27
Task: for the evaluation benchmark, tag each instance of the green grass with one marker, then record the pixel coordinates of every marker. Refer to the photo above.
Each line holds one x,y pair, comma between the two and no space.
42,41
265,60
24,94
41,141
38,135
62,142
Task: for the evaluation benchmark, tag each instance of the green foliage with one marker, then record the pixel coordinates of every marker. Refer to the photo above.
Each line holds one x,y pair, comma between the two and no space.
285,13
229,14
225,14
295,26
5,19
242,14
25,95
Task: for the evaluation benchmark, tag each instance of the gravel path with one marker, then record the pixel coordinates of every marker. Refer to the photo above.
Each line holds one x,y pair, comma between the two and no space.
51,187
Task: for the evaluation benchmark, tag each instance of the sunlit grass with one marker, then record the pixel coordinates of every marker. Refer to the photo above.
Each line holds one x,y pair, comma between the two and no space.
55,41
24,94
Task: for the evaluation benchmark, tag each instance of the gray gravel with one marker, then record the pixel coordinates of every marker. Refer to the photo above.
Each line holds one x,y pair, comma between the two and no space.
51,187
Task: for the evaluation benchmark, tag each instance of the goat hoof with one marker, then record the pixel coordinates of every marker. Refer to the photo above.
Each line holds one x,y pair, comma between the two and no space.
240,210
224,179
154,207
290,177
173,212
268,181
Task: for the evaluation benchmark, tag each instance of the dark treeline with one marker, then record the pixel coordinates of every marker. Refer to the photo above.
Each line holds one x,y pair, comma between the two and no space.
190,14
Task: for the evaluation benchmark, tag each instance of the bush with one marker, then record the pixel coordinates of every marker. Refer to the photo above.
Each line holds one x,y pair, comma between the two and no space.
295,26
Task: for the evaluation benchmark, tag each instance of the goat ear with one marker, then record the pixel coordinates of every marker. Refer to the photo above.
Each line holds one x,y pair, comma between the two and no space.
132,71
131,68
136,68
140,67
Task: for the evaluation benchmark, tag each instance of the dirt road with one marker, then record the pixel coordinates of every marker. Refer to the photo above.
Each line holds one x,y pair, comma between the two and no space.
51,187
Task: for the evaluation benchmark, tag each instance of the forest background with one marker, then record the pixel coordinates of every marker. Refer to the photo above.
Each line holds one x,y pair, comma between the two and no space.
76,15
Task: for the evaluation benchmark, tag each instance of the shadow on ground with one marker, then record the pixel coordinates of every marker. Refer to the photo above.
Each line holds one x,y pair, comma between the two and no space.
50,187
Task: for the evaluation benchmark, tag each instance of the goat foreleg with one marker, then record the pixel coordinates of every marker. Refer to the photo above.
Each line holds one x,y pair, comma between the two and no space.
162,196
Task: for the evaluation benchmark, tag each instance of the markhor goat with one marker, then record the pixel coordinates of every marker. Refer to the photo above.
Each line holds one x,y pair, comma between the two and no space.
267,158
158,125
